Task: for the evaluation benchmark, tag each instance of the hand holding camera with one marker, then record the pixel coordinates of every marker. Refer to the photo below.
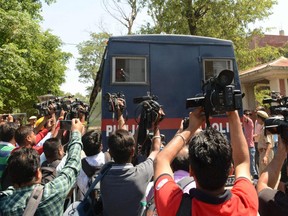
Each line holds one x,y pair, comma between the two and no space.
116,101
219,96
76,125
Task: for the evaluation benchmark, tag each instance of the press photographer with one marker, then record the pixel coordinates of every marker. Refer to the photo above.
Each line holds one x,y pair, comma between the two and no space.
150,112
278,123
74,108
218,96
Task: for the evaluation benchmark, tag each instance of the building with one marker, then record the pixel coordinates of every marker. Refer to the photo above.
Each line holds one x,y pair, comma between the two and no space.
273,74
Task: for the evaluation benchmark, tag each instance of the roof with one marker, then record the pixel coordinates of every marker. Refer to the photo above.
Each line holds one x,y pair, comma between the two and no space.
170,38
280,62
278,67
271,40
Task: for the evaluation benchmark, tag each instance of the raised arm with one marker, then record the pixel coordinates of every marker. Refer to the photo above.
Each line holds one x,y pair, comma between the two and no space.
239,146
167,155
270,175
121,120
156,140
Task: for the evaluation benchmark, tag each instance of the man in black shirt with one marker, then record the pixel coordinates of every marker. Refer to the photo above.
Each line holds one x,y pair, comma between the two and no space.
271,201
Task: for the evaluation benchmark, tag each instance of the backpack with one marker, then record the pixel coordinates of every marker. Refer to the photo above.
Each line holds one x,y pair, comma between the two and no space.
88,206
92,172
151,207
49,171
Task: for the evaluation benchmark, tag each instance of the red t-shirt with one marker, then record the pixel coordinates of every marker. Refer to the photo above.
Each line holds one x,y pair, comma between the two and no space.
241,200
39,137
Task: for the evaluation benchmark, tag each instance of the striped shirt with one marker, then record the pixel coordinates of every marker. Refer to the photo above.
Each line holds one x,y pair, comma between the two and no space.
5,150
13,201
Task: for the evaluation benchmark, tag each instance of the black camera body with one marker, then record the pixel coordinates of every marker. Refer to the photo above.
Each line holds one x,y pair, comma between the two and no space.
112,101
219,95
150,110
43,107
278,123
68,104
149,114
185,123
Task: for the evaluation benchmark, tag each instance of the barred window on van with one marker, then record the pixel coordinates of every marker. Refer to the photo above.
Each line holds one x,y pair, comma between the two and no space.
212,67
129,70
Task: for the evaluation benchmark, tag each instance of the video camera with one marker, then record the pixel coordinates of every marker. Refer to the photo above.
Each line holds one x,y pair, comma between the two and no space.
72,106
150,109
278,123
218,95
149,114
112,100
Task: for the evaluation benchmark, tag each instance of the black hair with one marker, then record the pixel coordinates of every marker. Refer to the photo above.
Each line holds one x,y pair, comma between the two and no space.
210,156
7,131
51,147
21,134
22,165
92,142
247,112
121,144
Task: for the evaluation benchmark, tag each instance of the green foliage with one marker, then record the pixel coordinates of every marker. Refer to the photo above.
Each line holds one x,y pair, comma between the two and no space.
261,93
31,62
32,7
91,53
224,19
284,51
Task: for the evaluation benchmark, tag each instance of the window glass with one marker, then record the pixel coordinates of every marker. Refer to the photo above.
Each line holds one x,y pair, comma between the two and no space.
129,70
212,67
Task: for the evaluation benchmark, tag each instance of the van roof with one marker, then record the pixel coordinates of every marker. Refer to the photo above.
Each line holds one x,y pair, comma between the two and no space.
170,39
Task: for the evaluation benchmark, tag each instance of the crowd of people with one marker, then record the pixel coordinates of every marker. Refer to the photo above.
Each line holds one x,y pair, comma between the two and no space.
185,177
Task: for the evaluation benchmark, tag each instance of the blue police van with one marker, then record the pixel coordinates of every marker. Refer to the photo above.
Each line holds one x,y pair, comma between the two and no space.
171,67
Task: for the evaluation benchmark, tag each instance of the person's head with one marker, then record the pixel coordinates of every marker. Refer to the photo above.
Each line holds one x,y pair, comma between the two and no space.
181,161
258,108
24,166
261,116
92,142
121,146
210,158
25,136
247,113
7,132
32,120
53,149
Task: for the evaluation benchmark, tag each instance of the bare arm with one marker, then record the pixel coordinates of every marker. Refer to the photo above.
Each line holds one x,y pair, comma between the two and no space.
167,155
239,146
121,120
156,140
267,152
270,175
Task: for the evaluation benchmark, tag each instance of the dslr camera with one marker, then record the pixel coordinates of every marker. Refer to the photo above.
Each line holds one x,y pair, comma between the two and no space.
218,95
278,123
112,101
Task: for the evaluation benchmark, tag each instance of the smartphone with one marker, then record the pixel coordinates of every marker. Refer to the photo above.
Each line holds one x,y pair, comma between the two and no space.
65,124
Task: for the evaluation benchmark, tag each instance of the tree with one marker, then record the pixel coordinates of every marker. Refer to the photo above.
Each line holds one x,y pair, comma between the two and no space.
32,7
31,60
224,19
284,51
118,10
91,53
261,93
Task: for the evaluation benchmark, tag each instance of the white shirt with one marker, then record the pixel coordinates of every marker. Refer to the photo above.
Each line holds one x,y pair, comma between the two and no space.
82,179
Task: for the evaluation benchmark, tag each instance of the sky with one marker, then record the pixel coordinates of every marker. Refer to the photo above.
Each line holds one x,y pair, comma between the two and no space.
74,20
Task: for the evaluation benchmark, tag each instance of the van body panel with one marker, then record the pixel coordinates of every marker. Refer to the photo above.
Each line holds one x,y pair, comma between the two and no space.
171,67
